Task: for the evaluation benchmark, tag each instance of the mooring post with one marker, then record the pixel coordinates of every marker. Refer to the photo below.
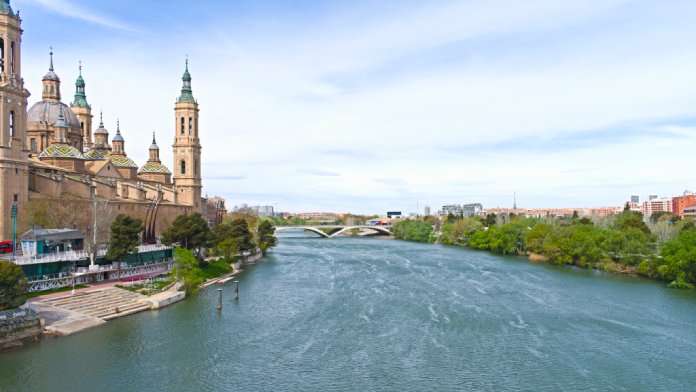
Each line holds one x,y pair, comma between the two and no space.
236,289
219,305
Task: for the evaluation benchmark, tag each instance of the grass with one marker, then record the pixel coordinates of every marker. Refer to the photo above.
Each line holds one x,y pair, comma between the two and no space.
147,288
52,291
217,268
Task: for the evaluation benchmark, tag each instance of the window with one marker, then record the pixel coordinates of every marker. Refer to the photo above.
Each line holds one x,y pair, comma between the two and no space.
182,125
190,124
32,143
16,198
82,125
195,166
12,57
12,123
183,167
2,55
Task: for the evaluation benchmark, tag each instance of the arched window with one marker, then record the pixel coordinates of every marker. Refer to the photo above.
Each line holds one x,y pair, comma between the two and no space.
52,90
82,125
11,123
12,57
182,125
195,167
183,167
190,125
2,55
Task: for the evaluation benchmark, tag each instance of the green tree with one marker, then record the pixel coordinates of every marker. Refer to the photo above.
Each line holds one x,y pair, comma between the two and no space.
187,270
125,237
189,231
413,230
679,259
628,219
266,237
13,285
233,237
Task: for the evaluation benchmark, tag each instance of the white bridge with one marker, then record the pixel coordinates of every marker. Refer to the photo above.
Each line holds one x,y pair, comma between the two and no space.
330,231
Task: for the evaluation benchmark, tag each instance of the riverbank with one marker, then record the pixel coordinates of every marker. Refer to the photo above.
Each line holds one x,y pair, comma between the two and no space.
64,313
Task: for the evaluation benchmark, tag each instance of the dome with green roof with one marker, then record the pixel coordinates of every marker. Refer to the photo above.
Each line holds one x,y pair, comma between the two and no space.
97,154
154,167
61,151
121,161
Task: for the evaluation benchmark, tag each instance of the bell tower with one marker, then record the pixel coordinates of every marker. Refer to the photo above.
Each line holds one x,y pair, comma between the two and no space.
14,162
83,111
187,147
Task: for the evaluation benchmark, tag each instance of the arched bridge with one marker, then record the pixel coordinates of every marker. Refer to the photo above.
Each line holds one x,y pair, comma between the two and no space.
328,231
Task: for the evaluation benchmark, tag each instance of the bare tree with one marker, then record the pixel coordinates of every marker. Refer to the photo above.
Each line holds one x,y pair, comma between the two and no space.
102,215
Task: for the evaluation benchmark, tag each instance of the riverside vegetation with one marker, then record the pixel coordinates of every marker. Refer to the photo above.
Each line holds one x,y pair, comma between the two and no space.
237,234
665,249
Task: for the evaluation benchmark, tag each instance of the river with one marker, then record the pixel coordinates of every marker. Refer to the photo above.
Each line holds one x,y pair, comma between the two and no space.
366,314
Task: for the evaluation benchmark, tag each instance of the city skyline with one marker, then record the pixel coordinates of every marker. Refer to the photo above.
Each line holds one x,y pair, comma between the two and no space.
365,108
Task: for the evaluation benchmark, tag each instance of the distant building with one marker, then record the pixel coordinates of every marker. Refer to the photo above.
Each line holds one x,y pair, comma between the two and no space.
679,203
394,214
652,197
655,205
263,210
465,210
635,199
426,210
689,212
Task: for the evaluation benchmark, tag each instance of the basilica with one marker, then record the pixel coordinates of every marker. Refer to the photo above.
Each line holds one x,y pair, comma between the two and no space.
52,151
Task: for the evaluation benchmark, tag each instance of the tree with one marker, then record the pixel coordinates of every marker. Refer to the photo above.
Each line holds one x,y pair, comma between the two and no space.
233,237
628,219
679,259
187,270
125,237
266,236
13,285
190,232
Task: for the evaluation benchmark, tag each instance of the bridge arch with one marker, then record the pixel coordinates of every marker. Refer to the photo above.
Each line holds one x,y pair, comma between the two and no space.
309,229
334,231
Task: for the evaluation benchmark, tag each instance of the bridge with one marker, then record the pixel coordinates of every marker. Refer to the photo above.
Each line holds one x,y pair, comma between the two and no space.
330,231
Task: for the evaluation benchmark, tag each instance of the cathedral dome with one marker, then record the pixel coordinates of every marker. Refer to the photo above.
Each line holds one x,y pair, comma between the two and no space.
49,111
120,161
154,167
61,151
97,154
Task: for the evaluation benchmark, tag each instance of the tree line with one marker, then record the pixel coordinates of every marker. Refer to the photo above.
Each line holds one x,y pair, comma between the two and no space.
665,249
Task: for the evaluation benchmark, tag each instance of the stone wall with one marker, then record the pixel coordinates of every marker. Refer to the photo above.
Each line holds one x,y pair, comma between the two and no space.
17,325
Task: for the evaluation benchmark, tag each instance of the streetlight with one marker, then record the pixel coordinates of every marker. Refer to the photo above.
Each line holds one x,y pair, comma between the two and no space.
14,229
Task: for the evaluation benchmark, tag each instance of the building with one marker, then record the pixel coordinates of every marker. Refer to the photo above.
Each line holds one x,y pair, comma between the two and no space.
49,151
263,210
465,210
679,203
426,210
690,212
655,205
394,214
635,199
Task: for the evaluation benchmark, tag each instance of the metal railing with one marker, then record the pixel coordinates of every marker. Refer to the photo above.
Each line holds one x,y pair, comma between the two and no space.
75,255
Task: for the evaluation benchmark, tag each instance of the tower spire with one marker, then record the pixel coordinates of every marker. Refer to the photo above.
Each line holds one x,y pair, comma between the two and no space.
186,91
50,67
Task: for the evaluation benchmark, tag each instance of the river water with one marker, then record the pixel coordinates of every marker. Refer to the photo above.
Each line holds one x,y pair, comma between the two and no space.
366,314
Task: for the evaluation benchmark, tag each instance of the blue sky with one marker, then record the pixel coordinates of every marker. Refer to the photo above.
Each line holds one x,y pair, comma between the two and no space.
364,106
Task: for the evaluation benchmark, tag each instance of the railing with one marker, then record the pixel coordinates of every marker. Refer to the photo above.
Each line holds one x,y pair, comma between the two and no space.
57,281
75,255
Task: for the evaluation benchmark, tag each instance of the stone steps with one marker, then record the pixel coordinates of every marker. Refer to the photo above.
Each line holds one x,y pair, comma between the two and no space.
102,304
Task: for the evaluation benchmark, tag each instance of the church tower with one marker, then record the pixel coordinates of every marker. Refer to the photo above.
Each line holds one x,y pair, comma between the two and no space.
187,147
83,111
14,162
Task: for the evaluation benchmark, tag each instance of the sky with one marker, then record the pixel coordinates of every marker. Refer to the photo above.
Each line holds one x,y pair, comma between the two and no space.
362,106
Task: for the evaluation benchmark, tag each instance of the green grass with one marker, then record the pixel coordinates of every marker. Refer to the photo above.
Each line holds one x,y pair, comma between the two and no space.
60,290
216,268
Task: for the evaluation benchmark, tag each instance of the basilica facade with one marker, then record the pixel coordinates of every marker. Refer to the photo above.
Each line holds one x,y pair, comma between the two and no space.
51,150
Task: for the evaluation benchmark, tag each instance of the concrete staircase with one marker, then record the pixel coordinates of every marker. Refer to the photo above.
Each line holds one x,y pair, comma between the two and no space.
105,304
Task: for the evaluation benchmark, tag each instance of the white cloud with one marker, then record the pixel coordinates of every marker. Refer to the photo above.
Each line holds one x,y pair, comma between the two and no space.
420,96
71,10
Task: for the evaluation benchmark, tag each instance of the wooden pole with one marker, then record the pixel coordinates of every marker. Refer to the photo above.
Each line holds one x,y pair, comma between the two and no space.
236,289
219,304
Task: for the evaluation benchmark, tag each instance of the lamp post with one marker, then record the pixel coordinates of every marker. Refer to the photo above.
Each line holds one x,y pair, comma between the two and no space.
14,229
